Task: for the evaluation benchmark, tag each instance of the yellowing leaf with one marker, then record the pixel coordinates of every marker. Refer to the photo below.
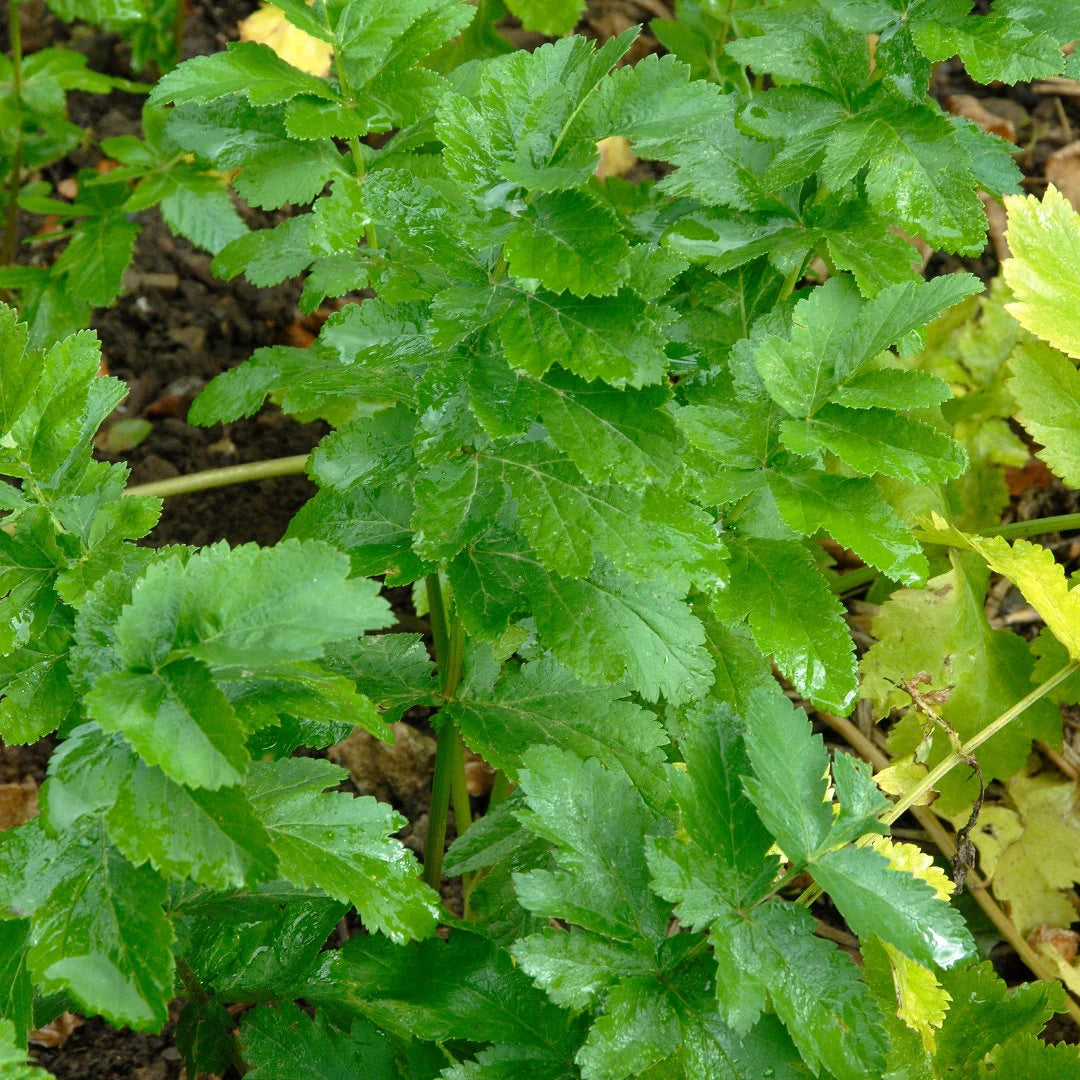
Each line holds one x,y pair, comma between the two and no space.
268,26
1032,853
901,776
997,830
921,1001
616,157
1044,272
914,861
1034,571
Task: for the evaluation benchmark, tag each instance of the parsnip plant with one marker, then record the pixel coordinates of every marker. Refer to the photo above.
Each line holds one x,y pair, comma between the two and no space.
602,424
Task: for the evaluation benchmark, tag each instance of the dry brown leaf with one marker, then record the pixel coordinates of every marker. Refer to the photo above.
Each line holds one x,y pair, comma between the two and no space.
398,771
268,26
1064,942
479,775
972,109
18,803
1063,171
58,1032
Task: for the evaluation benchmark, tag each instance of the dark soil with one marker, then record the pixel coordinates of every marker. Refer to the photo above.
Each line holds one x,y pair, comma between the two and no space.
177,326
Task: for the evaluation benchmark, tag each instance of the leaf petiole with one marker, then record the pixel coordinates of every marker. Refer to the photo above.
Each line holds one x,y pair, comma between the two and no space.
953,759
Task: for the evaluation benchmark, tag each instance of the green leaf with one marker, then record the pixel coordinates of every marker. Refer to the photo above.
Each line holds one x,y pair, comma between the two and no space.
618,339
897,906
985,1012
1029,1058
244,67
325,707
721,165
249,946
70,402
248,606
624,435
268,256
835,335
373,526
606,626
569,522
29,560
393,670
602,881
1060,23
805,46
855,514
286,1042
13,1062
1044,272
177,718
794,616
466,988
341,844
878,441
101,935
543,703
815,990
790,774
204,1036
213,837
1046,387
991,48
275,167
19,375
569,240
545,17
516,125
16,999
96,257
85,775
717,861
204,215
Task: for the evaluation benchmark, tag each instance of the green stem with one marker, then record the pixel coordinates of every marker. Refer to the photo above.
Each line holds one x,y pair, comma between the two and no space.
435,843
949,762
789,283
192,986
853,579
7,246
500,789
1014,530
1034,527
448,635
230,474
440,632
354,141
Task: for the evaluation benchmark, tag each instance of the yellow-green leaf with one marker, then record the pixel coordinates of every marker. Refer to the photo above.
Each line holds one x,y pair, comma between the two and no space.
1044,271
1034,571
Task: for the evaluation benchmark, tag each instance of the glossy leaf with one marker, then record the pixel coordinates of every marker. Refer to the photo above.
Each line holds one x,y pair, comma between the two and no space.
341,844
